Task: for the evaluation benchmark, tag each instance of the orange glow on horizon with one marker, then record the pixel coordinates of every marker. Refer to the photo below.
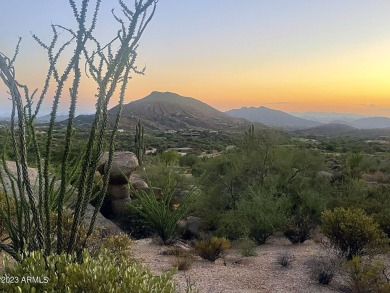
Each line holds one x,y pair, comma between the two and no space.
354,81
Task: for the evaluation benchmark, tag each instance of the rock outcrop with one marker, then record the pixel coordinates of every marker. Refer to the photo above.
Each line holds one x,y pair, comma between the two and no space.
123,164
104,225
123,181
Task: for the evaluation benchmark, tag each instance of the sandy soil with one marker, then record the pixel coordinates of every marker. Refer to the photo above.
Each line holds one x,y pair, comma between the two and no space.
261,273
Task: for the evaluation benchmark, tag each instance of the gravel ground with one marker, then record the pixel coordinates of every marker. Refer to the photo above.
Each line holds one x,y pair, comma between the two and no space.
261,273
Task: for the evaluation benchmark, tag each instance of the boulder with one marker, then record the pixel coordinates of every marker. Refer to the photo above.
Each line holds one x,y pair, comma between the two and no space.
11,166
190,227
115,192
140,185
104,225
324,174
123,164
137,182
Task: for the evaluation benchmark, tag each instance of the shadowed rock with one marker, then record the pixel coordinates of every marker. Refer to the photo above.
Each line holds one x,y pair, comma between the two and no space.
123,164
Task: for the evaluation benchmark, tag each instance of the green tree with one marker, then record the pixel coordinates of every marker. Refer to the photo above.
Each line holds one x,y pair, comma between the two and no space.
189,160
170,157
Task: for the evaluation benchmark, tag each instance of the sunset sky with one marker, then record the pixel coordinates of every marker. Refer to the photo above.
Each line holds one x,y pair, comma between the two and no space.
291,55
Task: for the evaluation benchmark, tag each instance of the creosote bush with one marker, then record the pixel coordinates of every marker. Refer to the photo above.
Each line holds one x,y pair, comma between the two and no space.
119,246
353,232
212,248
247,247
94,240
368,276
103,274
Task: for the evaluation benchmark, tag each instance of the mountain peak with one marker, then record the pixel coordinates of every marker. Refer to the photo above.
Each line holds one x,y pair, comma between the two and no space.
155,94
167,110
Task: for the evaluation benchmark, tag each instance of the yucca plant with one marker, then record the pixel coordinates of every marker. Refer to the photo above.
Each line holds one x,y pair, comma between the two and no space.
110,66
162,212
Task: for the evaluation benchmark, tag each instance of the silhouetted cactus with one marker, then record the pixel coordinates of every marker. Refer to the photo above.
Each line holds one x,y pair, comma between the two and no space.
139,141
110,66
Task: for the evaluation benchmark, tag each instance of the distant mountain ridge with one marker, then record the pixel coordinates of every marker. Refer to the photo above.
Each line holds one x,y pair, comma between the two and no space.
342,130
328,117
272,117
164,111
371,123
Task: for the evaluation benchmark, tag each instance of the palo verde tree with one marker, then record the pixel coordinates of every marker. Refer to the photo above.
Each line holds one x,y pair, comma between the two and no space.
110,66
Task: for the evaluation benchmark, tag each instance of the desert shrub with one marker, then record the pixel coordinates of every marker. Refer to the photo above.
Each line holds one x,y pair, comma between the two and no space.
353,232
298,229
160,175
383,219
367,277
118,246
7,214
183,259
169,157
285,259
247,247
227,177
159,213
93,242
258,215
103,274
323,269
353,164
305,213
182,263
212,248
374,200
189,160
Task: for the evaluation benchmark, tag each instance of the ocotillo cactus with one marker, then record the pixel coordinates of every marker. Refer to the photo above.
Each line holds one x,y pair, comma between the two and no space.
139,141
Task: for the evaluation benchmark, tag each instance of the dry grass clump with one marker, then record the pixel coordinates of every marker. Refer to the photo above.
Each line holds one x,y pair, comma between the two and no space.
285,259
212,248
323,269
183,262
183,258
